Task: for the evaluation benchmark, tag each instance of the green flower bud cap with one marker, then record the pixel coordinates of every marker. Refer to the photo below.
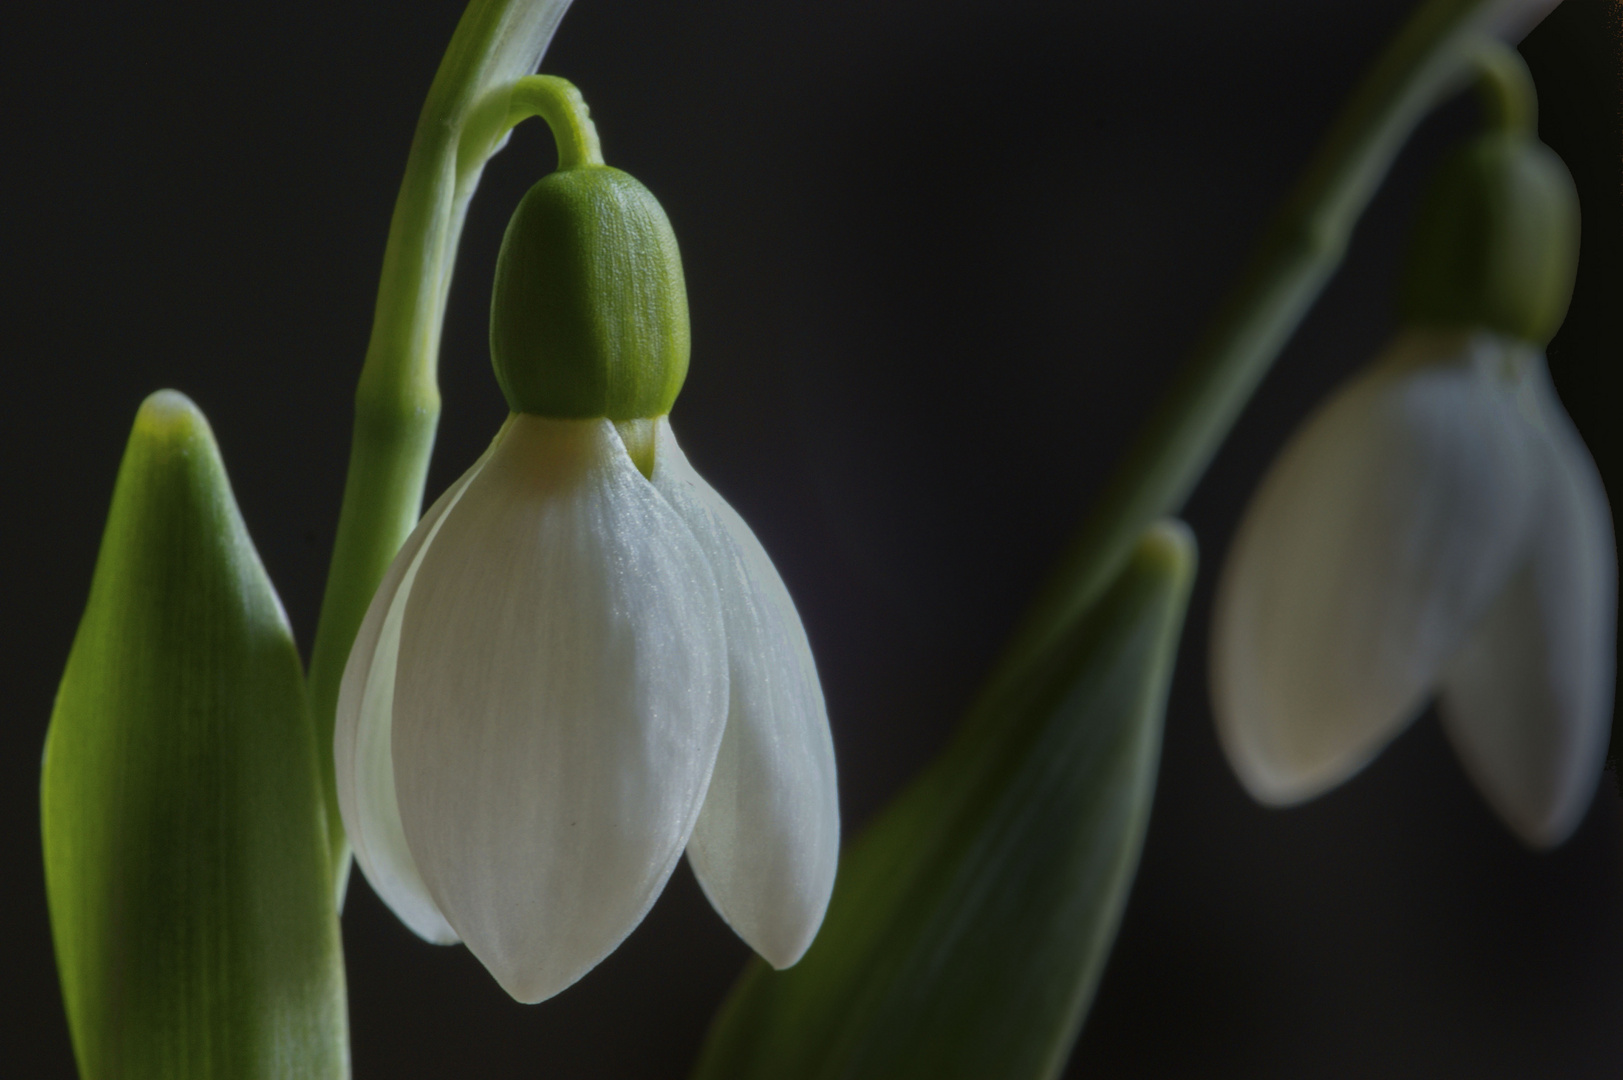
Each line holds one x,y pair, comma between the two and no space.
1496,243
589,315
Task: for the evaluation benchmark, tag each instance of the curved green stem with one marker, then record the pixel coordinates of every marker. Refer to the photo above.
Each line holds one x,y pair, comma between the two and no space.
1433,57
557,102
397,403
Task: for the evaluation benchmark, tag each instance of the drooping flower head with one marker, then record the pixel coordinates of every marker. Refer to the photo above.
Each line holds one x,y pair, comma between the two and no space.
582,662
1437,528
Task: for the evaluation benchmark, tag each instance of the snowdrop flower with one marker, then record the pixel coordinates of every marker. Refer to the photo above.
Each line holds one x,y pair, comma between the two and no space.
582,662
1437,528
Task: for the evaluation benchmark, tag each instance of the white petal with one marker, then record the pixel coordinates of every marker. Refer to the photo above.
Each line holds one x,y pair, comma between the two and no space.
361,736
560,699
1380,536
767,843
1528,700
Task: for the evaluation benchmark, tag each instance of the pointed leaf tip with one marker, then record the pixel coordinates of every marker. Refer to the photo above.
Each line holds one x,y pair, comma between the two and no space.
185,851
169,415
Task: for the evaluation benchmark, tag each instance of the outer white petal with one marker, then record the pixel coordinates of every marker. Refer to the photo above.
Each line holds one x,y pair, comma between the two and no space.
361,736
1380,536
559,702
1528,700
767,844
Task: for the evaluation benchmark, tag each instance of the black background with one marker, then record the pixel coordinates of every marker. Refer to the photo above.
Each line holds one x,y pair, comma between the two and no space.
940,258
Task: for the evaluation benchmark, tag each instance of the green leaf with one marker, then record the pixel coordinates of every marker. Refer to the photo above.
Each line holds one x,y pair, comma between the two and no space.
185,844
971,921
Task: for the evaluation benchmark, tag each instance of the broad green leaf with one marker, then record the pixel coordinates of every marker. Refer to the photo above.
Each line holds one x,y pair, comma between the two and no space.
185,845
971,921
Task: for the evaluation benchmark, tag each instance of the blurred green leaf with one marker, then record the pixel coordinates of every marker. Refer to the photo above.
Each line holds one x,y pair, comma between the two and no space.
185,849
971,921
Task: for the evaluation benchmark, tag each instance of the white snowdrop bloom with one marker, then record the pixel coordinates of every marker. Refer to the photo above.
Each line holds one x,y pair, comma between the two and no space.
1436,528
570,674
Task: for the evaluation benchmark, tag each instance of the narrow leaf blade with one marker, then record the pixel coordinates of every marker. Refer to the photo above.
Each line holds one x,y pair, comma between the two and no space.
970,923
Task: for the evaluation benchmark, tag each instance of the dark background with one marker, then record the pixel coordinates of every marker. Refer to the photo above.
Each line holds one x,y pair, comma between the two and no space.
940,257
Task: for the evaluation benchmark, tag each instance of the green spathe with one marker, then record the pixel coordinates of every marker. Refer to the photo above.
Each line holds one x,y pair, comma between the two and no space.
971,921
589,315
185,846
1496,242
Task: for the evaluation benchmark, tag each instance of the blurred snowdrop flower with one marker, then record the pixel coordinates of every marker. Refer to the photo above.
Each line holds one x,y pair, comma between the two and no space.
582,662
1437,528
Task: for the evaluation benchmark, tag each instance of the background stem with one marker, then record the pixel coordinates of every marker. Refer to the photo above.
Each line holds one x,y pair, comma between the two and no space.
1442,46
